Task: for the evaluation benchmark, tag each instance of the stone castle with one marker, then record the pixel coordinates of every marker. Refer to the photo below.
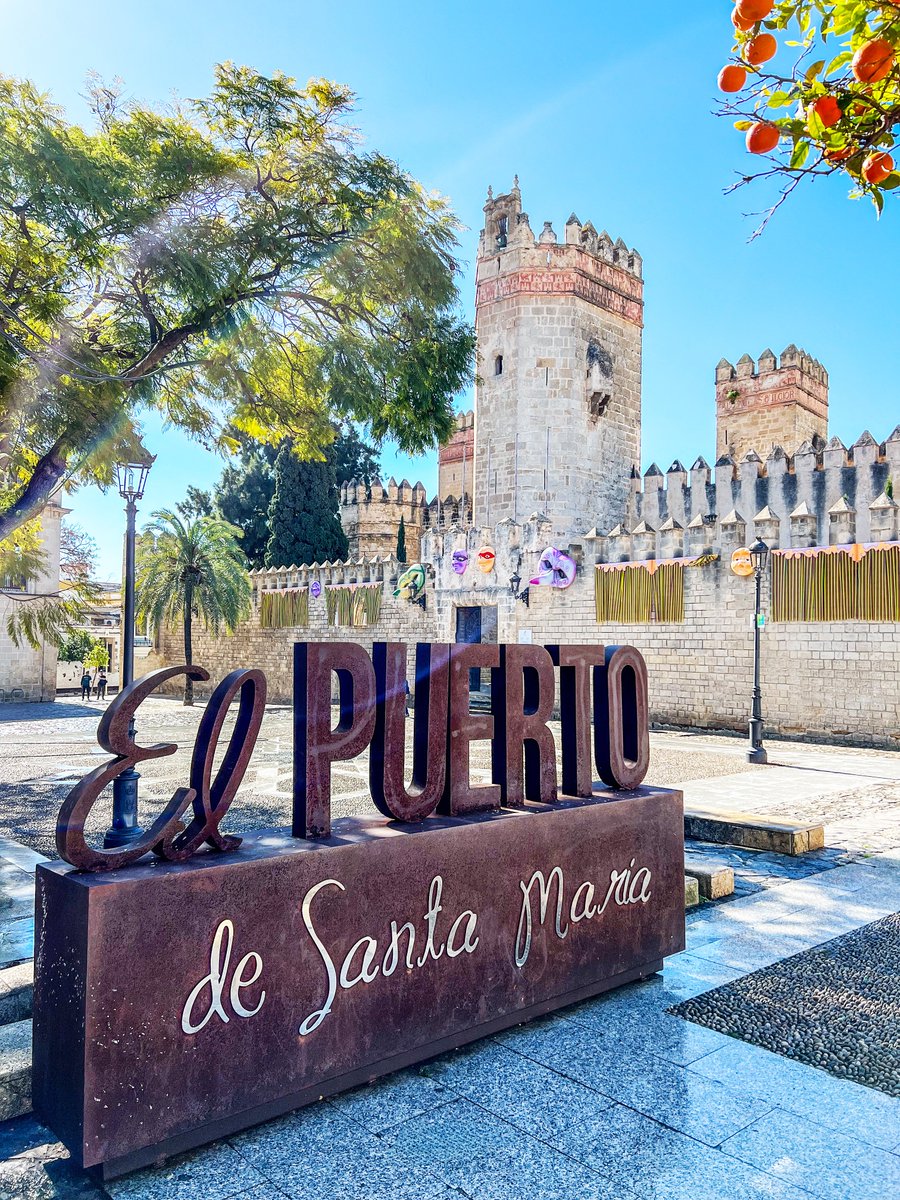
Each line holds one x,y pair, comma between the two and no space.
551,457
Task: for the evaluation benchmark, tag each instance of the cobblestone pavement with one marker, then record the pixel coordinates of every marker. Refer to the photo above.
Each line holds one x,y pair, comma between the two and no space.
613,1099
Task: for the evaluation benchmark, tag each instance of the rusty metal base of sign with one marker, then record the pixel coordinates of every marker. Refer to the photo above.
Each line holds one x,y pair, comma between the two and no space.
179,1003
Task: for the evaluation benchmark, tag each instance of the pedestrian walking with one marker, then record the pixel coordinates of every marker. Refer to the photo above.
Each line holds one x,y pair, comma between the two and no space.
101,684
85,685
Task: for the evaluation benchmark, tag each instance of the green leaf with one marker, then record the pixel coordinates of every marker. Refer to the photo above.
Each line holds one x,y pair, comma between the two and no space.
743,126
814,70
842,59
892,181
878,200
800,154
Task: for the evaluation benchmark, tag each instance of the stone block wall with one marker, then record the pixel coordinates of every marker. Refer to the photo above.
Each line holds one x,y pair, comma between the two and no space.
27,674
836,681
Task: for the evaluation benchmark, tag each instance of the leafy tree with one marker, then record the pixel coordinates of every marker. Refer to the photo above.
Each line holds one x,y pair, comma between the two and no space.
401,541
97,656
352,458
76,647
303,517
834,109
236,263
196,503
37,617
77,552
244,495
188,569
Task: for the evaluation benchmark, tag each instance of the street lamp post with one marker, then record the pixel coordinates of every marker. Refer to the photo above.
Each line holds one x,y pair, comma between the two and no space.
132,479
759,556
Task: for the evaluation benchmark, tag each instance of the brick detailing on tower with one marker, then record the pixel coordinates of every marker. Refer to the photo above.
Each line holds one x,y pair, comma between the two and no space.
456,459
770,403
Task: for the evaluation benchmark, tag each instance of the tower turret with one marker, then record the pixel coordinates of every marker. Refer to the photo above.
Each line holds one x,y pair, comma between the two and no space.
558,404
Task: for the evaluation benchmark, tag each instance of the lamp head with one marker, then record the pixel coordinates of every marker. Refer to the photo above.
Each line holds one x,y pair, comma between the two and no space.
759,555
131,478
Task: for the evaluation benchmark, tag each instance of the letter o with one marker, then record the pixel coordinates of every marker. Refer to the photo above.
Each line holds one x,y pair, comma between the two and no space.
621,722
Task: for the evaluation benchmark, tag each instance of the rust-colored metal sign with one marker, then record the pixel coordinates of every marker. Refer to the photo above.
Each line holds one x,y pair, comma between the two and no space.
223,980
177,1003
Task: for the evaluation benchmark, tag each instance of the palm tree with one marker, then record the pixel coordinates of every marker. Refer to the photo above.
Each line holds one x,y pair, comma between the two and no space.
188,569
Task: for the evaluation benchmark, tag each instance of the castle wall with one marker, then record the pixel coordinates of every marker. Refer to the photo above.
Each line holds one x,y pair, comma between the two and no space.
828,497
838,681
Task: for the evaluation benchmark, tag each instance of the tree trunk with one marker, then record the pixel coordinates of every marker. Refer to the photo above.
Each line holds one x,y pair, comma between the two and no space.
45,478
188,644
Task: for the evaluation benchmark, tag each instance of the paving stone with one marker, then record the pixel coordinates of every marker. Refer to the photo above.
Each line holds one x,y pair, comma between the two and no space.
16,989
50,1178
660,1164
835,1103
830,1165
389,1101
715,879
16,941
320,1154
751,830
217,1172
662,1090
534,1170
535,1099
691,892
15,1069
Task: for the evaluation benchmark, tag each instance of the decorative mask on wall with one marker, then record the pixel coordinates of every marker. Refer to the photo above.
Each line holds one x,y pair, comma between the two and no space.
315,589
460,561
741,562
486,559
555,569
411,583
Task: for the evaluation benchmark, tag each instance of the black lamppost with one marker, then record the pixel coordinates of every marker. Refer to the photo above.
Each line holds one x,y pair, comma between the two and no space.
759,556
132,479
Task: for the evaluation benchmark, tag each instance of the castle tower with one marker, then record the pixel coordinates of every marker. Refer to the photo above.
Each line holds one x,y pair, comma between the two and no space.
456,460
558,404
768,404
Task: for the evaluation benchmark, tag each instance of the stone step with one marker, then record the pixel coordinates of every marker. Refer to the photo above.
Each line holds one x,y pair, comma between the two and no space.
714,879
752,832
691,892
15,1070
16,987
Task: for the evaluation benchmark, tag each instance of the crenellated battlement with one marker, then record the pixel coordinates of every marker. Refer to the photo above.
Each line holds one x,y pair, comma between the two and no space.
374,569
823,494
770,402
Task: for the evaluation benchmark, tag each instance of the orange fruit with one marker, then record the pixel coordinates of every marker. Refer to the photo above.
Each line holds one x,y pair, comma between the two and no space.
760,49
877,167
762,137
741,23
873,61
828,110
732,79
754,10
839,155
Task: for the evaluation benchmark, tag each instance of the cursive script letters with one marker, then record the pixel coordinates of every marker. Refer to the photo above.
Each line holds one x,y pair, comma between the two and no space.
625,887
360,965
246,973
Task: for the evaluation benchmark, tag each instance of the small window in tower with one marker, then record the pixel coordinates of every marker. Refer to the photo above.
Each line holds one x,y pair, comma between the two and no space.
498,365
599,402
502,231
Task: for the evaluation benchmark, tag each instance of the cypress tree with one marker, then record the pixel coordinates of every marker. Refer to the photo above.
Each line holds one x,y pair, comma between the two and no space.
401,541
303,517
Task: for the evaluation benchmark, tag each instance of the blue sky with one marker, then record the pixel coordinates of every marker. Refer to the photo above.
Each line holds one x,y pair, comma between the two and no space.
604,109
